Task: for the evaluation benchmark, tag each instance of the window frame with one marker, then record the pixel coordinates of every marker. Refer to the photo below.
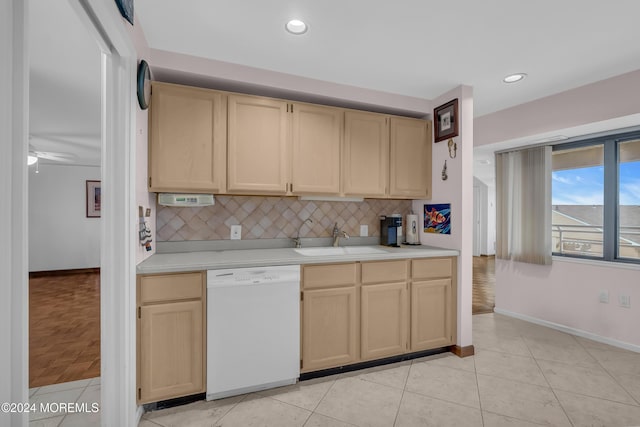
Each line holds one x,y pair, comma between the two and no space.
610,214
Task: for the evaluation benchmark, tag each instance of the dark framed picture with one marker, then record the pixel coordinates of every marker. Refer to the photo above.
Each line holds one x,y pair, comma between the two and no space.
437,218
446,120
94,199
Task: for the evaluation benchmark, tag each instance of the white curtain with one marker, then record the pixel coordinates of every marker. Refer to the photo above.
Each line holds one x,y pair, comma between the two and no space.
523,205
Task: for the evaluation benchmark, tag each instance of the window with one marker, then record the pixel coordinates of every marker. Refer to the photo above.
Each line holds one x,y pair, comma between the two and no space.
629,199
596,198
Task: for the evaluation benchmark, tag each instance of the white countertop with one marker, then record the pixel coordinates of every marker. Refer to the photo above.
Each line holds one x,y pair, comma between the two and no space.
213,260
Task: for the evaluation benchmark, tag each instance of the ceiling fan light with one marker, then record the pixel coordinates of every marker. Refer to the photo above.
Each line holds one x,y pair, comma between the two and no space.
32,158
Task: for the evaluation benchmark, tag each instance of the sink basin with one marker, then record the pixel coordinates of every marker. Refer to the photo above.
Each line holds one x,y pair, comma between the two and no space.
349,250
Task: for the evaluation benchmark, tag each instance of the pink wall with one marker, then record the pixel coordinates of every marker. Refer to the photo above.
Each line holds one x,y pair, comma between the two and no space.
567,293
457,190
604,100
143,197
178,68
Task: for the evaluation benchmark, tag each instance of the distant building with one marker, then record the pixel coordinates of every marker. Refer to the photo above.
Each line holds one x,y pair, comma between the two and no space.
577,230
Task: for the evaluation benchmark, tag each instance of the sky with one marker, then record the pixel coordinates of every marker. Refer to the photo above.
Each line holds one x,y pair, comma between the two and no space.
585,186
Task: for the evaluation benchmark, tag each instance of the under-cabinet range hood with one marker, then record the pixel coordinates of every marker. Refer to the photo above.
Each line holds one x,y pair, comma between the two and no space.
185,200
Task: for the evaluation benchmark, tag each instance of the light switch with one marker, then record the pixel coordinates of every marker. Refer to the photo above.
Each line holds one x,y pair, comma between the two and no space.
364,230
236,232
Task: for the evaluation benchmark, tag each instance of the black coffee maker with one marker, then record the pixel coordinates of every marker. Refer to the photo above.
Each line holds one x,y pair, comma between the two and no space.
389,227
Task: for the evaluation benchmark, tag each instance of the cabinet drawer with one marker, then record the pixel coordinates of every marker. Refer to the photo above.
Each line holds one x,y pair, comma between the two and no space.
322,276
171,287
431,268
384,271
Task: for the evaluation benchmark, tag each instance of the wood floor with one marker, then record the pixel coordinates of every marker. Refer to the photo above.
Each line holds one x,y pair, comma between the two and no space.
64,328
484,279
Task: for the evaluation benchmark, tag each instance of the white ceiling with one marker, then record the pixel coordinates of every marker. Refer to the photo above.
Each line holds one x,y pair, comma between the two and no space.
64,79
419,48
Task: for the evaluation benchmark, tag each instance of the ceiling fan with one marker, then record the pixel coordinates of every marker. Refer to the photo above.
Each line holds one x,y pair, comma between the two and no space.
35,155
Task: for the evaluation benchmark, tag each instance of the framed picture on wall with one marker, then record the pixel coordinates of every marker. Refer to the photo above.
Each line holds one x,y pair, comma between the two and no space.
446,120
94,199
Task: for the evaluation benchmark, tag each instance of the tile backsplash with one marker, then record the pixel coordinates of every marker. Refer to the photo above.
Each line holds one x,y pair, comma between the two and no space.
272,218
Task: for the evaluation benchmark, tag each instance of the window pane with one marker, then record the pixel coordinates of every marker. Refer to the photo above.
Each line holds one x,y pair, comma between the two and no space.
629,199
577,199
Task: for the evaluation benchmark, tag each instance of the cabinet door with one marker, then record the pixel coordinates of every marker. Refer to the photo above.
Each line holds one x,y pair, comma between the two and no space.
258,151
171,350
384,319
187,144
317,132
410,158
366,154
430,314
330,328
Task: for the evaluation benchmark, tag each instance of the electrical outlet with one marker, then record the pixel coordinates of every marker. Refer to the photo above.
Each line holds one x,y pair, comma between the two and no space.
604,297
624,301
364,230
236,232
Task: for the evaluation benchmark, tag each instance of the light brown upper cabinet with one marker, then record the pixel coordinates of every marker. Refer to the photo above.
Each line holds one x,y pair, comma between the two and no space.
410,158
258,148
316,137
187,139
366,154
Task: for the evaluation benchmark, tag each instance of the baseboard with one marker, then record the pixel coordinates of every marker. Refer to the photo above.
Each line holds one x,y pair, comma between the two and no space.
465,351
569,330
139,413
49,273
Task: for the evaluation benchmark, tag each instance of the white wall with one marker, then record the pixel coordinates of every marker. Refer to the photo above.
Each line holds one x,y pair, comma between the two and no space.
567,293
488,225
61,237
457,190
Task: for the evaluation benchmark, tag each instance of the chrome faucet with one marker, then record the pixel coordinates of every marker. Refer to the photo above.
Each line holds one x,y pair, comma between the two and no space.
337,234
297,240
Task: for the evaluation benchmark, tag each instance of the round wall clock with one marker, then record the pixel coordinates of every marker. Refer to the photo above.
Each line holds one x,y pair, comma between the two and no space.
144,84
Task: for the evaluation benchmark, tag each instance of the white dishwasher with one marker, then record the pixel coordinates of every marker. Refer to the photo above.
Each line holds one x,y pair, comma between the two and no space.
253,329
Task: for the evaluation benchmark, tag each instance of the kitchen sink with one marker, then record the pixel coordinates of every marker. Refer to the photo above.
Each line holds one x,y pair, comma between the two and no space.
349,250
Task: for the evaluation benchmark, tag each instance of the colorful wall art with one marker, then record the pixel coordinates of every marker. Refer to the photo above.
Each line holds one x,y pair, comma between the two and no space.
437,218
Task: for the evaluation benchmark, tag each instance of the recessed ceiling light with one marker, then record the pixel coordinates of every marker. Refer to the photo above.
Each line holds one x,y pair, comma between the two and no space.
296,26
513,78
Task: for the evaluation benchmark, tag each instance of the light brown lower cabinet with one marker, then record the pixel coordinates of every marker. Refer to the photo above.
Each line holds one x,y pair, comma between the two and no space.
430,314
362,311
171,336
329,328
383,322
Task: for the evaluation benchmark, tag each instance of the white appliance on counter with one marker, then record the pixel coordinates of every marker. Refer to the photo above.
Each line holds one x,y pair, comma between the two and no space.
253,329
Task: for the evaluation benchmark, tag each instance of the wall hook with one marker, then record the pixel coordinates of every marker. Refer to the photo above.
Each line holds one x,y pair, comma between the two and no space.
453,148
444,171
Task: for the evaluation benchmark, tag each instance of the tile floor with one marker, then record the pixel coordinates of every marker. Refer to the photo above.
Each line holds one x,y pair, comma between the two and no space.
522,375
81,392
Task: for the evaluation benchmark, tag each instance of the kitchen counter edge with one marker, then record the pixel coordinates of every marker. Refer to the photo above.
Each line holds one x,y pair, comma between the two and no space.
242,258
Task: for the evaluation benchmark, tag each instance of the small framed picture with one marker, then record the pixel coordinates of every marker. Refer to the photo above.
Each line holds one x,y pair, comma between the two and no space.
446,120
94,199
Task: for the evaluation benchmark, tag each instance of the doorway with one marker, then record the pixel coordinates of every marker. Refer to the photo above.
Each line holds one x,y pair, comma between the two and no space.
64,237
117,233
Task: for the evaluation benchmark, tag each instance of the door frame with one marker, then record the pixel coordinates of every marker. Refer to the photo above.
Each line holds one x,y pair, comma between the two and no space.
117,243
477,221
